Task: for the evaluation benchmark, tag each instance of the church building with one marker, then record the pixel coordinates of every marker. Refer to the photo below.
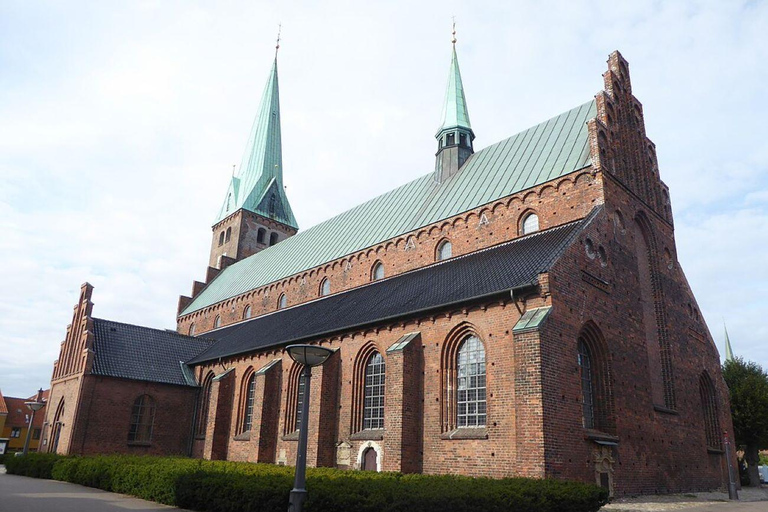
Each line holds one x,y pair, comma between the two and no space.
519,310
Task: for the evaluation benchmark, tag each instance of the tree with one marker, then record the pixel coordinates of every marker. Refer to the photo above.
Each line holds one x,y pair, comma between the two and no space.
748,386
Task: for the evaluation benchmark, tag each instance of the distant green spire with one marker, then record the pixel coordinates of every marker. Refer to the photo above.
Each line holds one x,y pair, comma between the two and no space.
728,349
257,185
455,112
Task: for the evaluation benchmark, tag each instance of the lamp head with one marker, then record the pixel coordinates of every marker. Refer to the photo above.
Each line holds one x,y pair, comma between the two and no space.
35,406
309,355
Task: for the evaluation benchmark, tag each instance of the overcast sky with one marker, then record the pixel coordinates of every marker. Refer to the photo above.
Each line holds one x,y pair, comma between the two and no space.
120,123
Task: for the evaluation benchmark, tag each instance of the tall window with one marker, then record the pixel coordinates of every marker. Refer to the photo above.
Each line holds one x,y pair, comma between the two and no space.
217,322
142,420
587,388
260,235
228,235
273,238
247,312
470,384
250,394
709,409
378,271
282,301
530,224
373,399
444,250
221,239
202,409
325,287
299,401
192,329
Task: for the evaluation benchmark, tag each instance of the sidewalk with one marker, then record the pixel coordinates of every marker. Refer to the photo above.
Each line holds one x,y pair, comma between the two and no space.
750,500
23,494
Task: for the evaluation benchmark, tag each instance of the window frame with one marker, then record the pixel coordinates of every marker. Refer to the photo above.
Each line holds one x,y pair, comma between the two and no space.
142,424
325,287
471,347
374,389
377,268
441,248
528,230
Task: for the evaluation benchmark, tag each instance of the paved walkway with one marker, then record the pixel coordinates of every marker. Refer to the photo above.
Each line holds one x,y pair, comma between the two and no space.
750,500
23,494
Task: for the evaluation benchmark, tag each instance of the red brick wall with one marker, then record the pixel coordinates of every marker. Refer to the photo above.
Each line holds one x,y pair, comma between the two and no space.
558,202
106,404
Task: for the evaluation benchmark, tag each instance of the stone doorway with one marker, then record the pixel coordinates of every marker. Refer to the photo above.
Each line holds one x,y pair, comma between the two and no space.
370,460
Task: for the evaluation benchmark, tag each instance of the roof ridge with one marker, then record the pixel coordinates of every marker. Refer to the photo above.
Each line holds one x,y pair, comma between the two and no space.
444,203
169,332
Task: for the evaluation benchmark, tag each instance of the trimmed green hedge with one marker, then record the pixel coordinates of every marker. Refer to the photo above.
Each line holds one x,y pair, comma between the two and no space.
212,486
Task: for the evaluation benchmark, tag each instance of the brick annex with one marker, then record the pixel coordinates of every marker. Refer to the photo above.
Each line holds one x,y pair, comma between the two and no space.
519,311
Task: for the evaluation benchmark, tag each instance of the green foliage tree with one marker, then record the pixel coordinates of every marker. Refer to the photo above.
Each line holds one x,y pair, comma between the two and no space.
748,386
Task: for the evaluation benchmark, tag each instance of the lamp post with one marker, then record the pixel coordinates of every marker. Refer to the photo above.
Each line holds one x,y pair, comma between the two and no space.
309,356
34,407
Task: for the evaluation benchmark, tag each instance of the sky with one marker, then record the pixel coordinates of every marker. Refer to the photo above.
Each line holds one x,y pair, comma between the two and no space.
120,123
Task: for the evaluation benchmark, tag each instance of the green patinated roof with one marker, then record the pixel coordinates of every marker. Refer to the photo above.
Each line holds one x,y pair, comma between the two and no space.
258,184
455,113
537,155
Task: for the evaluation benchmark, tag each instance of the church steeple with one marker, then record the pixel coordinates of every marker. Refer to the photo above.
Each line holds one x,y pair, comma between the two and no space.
455,135
256,213
257,185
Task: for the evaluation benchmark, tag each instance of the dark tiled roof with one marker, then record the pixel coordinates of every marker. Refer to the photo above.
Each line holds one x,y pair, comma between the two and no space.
140,353
480,274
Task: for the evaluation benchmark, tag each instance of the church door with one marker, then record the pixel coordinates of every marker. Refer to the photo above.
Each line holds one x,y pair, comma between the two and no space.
370,460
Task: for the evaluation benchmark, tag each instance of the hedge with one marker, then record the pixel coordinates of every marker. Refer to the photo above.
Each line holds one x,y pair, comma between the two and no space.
217,486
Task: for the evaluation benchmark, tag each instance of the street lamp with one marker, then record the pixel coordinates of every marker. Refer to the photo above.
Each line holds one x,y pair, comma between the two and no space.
309,356
34,407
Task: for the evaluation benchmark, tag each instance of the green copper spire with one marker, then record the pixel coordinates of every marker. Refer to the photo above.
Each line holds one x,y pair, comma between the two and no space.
455,135
728,349
455,112
257,185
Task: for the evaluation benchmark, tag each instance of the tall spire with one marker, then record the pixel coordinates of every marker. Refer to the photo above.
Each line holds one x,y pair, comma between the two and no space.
728,349
257,185
455,133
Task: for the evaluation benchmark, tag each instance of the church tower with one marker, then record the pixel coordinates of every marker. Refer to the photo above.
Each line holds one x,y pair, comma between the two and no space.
256,213
455,135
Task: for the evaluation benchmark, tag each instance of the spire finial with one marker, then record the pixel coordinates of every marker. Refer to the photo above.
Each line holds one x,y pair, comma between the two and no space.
453,40
277,45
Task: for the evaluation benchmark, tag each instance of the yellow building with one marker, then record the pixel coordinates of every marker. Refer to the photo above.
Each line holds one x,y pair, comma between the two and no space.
16,423
3,416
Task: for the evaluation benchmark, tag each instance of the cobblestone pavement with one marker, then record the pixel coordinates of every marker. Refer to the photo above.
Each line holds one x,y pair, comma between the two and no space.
750,500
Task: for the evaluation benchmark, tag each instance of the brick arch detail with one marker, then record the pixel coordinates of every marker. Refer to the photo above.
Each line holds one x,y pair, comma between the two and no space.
242,398
448,357
291,398
602,377
358,382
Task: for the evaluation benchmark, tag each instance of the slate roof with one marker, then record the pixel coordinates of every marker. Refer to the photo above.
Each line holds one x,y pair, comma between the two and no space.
542,153
480,274
141,353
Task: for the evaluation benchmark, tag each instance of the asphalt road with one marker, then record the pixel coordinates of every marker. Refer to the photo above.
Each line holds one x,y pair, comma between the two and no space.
23,494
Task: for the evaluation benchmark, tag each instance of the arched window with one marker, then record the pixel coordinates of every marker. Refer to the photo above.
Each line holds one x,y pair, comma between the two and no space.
228,235
250,394
709,410
470,384
373,396
57,426
325,287
260,235
530,224
282,301
378,271
294,399
221,239
273,238
587,390
192,329
202,409
142,420
595,380
247,312
444,250
217,322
